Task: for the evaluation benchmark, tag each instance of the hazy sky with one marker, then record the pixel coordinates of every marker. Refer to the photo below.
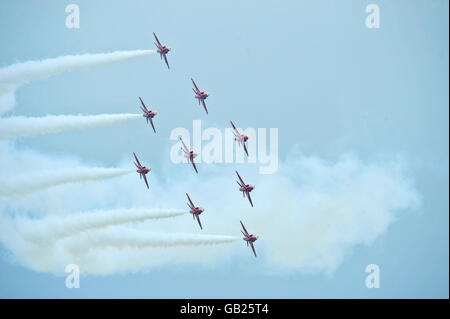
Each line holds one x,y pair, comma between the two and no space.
313,70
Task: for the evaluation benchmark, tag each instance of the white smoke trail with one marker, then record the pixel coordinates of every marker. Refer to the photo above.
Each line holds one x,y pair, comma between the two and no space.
47,230
107,250
20,126
309,217
32,182
15,75
131,238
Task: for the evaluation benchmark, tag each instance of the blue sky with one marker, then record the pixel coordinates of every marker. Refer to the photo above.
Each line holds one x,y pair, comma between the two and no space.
309,68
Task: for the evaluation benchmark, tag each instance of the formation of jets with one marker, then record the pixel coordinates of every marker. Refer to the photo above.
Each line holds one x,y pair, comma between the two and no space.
190,155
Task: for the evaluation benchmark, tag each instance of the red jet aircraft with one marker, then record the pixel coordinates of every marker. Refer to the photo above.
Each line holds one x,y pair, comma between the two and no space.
142,170
249,238
245,188
200,95
148,114
195,211
240,138
162,50
190,155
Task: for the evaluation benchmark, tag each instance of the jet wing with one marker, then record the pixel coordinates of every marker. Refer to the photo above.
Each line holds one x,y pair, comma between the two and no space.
195,86
190,201
151,122
145,179
198,219
193,164
184,146
144,108
243,183
167,63
232,124
249,198
253,248
159,43
235,129
245,230
137,160
245,148
204,106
